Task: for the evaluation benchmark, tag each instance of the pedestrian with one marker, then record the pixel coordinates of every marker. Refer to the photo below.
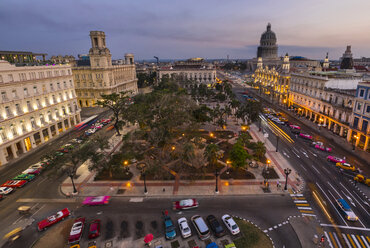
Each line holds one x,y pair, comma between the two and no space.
164,189
277,184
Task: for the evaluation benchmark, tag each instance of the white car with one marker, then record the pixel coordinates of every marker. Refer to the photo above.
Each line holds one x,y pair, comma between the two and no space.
230,224
37,166
5,190
184,227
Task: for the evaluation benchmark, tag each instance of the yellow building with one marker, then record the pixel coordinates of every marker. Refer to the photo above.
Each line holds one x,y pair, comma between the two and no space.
98,76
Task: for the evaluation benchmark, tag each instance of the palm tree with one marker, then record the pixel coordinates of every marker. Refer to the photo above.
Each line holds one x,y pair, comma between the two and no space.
211,153
259,149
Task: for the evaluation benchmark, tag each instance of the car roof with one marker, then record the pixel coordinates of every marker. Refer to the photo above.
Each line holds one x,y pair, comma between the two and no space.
344,204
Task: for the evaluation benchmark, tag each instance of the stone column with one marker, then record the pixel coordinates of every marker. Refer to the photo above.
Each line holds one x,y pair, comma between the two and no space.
69,122
329,126
310,115
33,142
56,128
63,126
349,135
358,139
49,132
14,150
23,146
341,131
315,118
42,138
2,157
366,143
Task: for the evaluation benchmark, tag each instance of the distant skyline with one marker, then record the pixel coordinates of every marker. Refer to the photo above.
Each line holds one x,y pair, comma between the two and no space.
184,29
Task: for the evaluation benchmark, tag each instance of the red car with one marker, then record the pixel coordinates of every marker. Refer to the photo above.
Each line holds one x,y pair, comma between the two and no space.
14,183
51,220
305,136
76,230
334,159
32,171
294,127
94,229
185,204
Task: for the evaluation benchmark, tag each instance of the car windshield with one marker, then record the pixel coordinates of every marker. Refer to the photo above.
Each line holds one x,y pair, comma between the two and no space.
188,202
186,229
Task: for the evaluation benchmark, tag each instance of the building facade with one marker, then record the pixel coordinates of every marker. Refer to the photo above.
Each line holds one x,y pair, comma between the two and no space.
190,72
37,104
273,82
98,76
360,133
268,48
326,98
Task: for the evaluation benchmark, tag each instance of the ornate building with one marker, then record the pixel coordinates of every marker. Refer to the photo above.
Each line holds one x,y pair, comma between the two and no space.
273,82
191,71
37,104
268,48
98,76
347,60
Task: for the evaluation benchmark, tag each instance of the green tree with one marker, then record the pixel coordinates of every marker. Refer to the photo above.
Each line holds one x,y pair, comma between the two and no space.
100,160
117,102
244,138
238,155
211,153
259,150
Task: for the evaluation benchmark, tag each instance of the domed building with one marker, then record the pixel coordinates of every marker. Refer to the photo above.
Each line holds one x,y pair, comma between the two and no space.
268,48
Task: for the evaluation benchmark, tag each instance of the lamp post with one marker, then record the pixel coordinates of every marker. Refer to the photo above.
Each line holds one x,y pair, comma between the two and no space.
287,171
227,166
143,175
216,174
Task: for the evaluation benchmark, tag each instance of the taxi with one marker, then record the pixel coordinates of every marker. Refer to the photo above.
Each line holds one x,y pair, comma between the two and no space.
345,166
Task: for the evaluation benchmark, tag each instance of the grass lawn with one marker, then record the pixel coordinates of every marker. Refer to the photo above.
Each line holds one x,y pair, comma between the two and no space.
251,237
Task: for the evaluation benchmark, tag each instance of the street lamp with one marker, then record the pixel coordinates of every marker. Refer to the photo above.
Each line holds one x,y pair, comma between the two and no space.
227,166
217,174
287,171
143,175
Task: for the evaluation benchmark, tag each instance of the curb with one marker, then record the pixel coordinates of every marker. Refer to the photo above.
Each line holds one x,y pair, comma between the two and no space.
273,245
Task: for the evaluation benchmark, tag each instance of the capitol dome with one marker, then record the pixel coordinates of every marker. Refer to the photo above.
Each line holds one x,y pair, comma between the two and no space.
268,47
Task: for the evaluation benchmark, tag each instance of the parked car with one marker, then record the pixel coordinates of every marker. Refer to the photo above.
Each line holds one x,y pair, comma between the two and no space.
59,154
14,183
40,166
51,220
26,177
212,245
76,230
305,136
346,210
201,227
216,227
32,171
106,121
96,200
94,229
362,179
184,227
295,131
63,150
78,141
346,166
335,159
231,224
5,190
170,232
185,204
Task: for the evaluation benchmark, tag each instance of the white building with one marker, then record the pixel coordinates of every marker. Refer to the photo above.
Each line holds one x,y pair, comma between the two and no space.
326,98
37,103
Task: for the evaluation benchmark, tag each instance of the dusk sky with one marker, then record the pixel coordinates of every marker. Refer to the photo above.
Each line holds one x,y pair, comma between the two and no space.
183,29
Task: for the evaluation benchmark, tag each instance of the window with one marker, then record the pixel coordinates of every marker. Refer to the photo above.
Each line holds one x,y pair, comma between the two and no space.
3,96
60,97
42,119
65,84
364,126
368,109
49,116
46,101
70,83
18,109
38,103
58,85
14,94
43,88
355,122
359,105
23,127
54,99
29,106
14,130
35,89
69,108
2,134
10,77
51,86
56,113
25,91
1,79
7,111
64,110
33,123
362,92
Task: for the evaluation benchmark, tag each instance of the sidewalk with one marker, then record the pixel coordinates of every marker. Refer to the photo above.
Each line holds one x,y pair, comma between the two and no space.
86,185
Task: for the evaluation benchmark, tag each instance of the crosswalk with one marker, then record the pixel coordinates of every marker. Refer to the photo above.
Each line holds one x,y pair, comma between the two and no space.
350,240
302,204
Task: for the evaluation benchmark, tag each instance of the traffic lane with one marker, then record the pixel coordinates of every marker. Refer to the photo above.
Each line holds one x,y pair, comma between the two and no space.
304,162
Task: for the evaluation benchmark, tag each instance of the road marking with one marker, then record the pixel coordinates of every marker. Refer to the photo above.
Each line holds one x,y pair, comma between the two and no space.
346,240
38,210
335,190
296,154
315,169
367,212
354,239
359,239
305,208
300,195
46,200
328,239
270,229
275,227
136,199
302,204
279,225
350,239
300,201
365,242
337,240
332,238
306,211
265,231
304,214
42,181
346,227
